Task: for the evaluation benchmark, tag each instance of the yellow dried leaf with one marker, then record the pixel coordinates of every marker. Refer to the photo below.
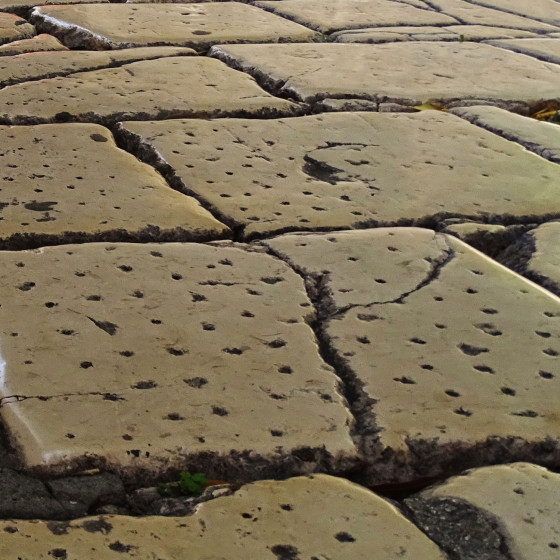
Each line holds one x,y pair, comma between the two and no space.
429,107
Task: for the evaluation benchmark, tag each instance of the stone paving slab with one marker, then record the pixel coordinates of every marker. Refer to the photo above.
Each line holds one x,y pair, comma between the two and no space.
540,137
111,26
40,43
332,15
441,72
162,88
339,170
55,189
315,517
547,49
522,498
21,6
455,357
542,10
13,28
170,351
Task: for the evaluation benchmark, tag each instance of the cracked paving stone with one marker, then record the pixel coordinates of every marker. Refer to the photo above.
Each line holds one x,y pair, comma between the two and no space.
522,499
547,11
303,517
13,28
116,26
455,356
338,170
438,71
545,48
54,189
331,15
169,351
40,43
147,89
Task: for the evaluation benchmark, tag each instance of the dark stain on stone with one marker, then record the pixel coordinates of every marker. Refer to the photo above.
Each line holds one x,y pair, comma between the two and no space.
150,384
58,527
118,546
58,553
107,326
98,137
40,206
97,526
285,552
343,536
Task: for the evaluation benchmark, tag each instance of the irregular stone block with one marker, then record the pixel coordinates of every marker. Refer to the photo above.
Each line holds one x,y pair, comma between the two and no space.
315,517
454,358
343,170
148,89
436,71
542,10
330,15
40,43
144,357
117,26
13,28
70,182
545,49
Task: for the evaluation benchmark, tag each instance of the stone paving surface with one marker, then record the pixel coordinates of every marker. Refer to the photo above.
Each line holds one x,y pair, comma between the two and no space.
273,299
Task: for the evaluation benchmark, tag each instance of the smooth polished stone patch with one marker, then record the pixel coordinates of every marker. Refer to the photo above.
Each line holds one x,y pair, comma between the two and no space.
435,71
70,182
342,170
40,43
453,356
542,10
331,15
545,49
13,28
194,25
304,517
147,89
170,350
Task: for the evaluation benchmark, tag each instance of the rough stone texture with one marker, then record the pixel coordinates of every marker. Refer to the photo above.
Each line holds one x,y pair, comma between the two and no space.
445,33
13,28
540,137
318,517
169,351
545,49
394,72
34,66
454,355
522,497
21,6
345,169
146,89
331,15
194,25
40,43
55,189
542,10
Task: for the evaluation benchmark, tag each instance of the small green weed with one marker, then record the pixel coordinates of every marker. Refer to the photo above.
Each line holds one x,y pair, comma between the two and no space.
187,485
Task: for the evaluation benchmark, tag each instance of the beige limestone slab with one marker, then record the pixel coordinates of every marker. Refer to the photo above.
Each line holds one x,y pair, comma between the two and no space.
331,15
161,88
540,137
303,517
522,497
545,260
151,354
13,28
453,351
347,169
71,182
23,5
34,66
434,71
545,49
542,10
40,43
111,26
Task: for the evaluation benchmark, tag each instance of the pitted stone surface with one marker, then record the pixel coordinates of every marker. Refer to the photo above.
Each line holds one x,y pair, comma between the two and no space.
345,169
13,28
543,10
522,497
70,182
146,89
195,25
331,15
40,43
316,517
452,350
169,351
545,49
434,71
540,137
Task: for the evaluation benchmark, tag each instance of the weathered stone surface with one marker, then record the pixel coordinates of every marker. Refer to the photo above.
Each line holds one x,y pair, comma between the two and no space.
70,182
34,66
523,498
434,71
542,10
13,28
40,43
346,169
545,261
331,15
540,137
169,351
194,25
24,5
146,89
545,49
316,517
454,355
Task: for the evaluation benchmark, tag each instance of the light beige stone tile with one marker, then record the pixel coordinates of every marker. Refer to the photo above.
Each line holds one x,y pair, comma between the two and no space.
40,43
453,351
146,89
523,498
23,5
149,354
344,169
13,28
194,25
545,261
70,181
316,517
542,10
331,15
430,71
545,49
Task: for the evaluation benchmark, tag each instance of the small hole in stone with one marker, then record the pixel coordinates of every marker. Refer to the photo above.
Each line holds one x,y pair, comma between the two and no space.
175,416
219,411
155,321
208,327
438,298
285,369
405,380
543,334
452,393
484,369
278,343
546,374
550,352
471,291
276,433
125,268
417,340
176,351
70,436
247,314
126,353
176,276
86,365
462,411
380,281
508,391
427,366
235,351
489,311
196,382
